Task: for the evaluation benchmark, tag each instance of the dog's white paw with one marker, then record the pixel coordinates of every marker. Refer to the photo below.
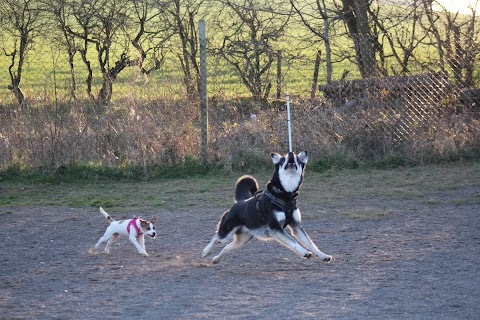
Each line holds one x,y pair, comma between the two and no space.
308,255
216,260
325,257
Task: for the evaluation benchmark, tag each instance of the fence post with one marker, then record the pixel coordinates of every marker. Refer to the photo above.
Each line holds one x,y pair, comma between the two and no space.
315,74
203,90
279,74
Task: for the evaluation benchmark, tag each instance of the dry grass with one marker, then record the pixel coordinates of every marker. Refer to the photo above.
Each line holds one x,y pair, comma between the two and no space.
152,135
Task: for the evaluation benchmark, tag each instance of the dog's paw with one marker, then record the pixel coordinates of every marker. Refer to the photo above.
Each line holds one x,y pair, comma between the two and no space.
328,259
216,260
308,255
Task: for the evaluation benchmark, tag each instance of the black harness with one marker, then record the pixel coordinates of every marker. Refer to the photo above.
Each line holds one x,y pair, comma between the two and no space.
265,197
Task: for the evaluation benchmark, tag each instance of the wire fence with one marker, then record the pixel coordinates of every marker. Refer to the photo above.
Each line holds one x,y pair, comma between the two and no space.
427,111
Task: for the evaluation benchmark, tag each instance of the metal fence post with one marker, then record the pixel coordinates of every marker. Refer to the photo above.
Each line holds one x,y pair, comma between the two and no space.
203,90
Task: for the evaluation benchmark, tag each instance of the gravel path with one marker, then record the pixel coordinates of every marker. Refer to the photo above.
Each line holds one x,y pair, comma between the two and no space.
419,261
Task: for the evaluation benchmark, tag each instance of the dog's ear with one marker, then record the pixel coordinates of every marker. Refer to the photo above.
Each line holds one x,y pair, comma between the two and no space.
276,158
303,157
154,219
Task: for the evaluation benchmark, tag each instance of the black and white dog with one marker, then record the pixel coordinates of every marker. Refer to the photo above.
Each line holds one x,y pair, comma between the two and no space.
265,214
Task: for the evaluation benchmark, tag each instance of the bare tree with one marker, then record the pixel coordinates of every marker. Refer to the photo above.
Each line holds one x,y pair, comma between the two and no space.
317,19
250,30
110,27
80,26
151,34
456,38
396,25
61,11
23,22
356,18
182,16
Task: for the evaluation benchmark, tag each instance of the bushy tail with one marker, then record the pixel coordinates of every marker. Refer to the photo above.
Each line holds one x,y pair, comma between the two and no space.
245,188
106,215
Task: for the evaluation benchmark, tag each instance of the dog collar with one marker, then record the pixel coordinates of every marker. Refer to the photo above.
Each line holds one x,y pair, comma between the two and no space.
133,223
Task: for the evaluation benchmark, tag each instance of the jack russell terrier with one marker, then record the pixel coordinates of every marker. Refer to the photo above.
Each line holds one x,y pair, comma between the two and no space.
135,229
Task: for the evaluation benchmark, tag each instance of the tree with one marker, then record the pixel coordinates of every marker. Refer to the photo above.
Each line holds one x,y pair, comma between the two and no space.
23,22
61,11
250,32
182,15
355,15
110,27
315,16
399,35
456,39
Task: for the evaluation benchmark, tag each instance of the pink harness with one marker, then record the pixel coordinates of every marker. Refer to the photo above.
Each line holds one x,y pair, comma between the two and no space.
133,223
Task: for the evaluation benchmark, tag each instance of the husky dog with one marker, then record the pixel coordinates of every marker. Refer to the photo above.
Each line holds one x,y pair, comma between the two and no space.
265,214
135,229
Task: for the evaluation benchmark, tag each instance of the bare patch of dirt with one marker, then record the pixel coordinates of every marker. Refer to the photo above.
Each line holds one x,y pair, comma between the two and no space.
419,260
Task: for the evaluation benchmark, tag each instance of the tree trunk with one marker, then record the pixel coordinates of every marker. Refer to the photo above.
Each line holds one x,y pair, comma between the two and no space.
355,15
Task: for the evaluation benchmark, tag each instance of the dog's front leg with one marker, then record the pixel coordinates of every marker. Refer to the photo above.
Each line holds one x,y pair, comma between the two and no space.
280,235
140,249
141,240
303,237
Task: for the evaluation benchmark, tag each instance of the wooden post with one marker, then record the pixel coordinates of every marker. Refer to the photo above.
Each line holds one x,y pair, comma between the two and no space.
203,90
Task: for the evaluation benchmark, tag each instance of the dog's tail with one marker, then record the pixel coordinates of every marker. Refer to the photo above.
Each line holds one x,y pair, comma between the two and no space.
245,188
106,215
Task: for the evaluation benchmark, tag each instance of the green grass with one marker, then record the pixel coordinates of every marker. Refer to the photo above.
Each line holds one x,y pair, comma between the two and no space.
216,190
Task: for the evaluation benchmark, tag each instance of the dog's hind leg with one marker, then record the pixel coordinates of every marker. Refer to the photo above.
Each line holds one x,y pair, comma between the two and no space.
239,240
111,241
106,236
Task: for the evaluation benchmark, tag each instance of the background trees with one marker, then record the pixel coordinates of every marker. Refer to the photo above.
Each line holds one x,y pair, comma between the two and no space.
349,38
22,22
250,33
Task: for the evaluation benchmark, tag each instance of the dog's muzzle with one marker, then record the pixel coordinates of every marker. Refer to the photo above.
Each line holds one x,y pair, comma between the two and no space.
153,235
291,164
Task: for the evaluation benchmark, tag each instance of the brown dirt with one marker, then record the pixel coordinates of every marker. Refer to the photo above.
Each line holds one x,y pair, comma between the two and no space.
419,260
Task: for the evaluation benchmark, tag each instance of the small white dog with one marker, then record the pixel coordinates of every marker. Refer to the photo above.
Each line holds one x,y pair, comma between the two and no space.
135,229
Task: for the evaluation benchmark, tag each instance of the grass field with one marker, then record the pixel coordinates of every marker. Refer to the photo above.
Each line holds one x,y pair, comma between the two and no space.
217,190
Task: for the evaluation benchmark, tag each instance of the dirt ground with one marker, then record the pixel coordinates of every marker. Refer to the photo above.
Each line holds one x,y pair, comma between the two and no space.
419,261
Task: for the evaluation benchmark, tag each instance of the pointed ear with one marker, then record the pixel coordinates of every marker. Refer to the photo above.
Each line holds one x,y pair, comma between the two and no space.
154,219
276,158
303,157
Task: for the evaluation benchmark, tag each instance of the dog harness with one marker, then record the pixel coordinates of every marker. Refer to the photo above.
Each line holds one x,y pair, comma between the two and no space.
286,206
133,223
